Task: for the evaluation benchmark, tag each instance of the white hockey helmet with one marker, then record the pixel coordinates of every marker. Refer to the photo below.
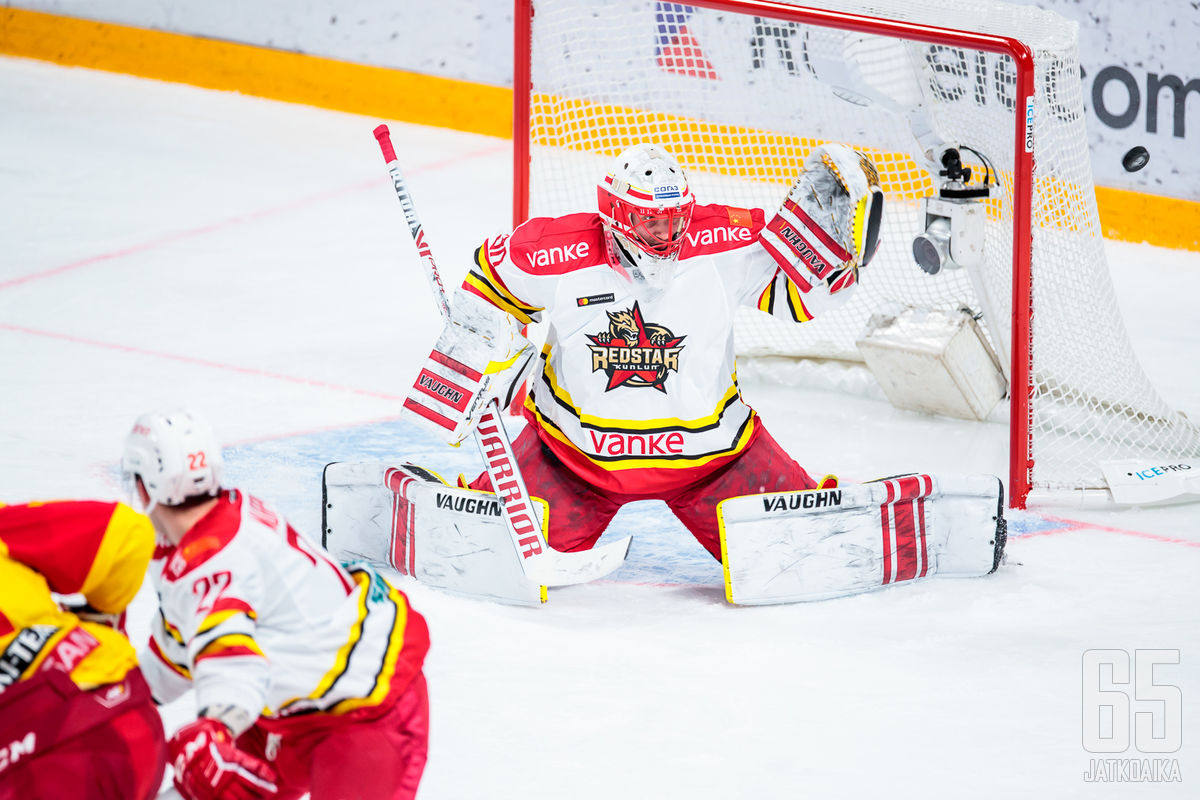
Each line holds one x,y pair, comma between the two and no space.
646,205
176,456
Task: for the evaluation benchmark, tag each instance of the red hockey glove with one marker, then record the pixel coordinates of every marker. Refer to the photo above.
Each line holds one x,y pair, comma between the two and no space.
209,767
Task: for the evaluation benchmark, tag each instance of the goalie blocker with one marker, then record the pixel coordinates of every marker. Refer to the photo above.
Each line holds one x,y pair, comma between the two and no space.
407,518
787,547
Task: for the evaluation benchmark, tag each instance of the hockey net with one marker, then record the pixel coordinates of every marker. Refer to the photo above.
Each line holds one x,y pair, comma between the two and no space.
740,91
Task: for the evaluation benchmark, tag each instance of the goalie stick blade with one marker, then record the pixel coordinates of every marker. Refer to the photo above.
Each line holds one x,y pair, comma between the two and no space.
557,568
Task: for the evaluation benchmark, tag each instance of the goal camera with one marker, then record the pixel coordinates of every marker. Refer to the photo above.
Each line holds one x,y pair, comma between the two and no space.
954,219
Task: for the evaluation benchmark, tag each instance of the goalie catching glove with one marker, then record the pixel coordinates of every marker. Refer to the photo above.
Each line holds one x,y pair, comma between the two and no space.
480,356
828,226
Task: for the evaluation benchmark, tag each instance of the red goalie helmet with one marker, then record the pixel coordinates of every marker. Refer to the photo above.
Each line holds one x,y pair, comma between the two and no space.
646,205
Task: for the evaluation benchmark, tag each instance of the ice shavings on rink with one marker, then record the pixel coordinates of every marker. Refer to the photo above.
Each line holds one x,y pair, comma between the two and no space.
288,471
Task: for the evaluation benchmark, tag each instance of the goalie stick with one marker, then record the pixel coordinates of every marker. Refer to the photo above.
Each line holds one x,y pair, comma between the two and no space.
540,563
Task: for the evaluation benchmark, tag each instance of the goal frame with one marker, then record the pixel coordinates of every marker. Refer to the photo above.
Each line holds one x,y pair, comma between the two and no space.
1020,471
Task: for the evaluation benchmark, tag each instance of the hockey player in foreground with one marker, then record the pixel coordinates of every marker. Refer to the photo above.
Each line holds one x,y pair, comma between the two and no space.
307,674
76,717
637,396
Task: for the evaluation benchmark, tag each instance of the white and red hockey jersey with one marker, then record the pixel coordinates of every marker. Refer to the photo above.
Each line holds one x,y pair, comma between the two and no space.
254,615
638,391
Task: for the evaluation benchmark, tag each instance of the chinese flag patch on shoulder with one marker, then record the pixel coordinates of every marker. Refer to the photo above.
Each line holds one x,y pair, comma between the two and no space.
739,217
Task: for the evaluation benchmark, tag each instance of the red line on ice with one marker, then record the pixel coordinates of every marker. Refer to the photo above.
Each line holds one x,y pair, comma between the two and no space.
1071,526
241,219
279,376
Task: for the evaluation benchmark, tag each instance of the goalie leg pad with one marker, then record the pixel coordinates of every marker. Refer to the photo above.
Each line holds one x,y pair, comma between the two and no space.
786,547
406,517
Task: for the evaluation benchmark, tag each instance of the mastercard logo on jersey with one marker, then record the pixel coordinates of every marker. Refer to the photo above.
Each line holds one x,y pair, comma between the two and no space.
593,299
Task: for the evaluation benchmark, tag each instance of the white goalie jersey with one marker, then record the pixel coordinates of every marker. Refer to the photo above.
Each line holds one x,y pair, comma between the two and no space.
638,389
255,616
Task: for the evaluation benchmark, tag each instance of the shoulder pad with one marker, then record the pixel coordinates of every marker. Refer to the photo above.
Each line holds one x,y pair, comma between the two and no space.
558,245
719,228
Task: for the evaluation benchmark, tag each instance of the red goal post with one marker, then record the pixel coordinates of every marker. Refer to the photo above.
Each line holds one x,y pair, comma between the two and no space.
591,77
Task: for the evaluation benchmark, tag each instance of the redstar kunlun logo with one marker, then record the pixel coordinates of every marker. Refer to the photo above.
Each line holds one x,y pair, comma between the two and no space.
633,352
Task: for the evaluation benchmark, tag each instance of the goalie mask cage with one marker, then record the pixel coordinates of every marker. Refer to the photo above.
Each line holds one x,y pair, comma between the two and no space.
740,91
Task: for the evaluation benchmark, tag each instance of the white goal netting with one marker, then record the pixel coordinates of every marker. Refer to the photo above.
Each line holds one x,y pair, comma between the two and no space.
740,97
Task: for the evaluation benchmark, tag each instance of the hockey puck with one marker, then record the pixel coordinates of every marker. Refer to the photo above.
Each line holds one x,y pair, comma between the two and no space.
1135,159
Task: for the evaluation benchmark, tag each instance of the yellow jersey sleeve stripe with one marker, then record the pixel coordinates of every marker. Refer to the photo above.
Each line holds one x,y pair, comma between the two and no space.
234,644
175,666
488,274
766,300
213,620
171,630
501,301
498,295
342,659
383,680
800,313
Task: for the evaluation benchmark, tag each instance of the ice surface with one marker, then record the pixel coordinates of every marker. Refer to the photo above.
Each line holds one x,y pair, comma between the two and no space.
165,245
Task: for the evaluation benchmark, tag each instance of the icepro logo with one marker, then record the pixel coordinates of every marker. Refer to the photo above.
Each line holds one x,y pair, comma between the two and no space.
14,751
1157,472
559,255
826,498
1029,124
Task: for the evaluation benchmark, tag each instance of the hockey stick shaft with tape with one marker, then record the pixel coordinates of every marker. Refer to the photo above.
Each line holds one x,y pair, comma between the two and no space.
539,562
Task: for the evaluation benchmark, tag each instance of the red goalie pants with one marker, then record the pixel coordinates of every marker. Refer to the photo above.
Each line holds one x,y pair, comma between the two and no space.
579,514
59,742
340,757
